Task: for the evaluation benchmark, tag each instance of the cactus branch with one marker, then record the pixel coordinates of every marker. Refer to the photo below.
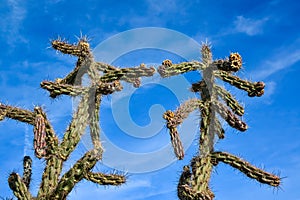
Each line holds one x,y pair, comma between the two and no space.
128,73
248,169
168,69
174,119
76,50
229,100
55,89
229,117
253,89
45,139
105,179
106,68
233,64
18,114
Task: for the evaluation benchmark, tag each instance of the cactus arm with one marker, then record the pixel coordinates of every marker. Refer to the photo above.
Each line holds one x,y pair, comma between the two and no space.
18,187
230,117
246,168
168,69
230,100
128,73
253,89
106,68
182,112
55,89
76,50
176,143
82,51
105,179
108,88
174,119
44,135
27,171
233,64
18,114
217,128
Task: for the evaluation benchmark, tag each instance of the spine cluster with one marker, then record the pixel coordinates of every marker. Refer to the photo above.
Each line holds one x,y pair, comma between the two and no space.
214,102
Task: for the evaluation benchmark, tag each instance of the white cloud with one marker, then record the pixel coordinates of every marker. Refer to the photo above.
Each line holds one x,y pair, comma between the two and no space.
280,63
249,26
157,13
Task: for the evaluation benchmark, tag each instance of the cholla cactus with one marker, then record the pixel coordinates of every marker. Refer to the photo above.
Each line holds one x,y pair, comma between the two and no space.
47,145
194,181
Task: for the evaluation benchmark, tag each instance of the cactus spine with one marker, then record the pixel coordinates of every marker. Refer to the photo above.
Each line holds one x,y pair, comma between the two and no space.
55,185
194,180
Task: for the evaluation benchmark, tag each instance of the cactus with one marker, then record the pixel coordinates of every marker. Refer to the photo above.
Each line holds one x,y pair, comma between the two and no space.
55,185
215,101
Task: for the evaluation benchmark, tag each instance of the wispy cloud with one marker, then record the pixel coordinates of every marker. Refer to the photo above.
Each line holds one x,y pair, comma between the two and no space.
11,23
249,26
157,13
156,6
283,58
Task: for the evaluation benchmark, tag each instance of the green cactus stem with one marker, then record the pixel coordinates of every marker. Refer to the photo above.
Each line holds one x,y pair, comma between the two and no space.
106,68
105,179
233,120
230,100
128,73
168,69
245,167
18,114
194,184
253,89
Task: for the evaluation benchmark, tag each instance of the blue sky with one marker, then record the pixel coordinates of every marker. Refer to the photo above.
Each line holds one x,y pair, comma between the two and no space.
265,33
